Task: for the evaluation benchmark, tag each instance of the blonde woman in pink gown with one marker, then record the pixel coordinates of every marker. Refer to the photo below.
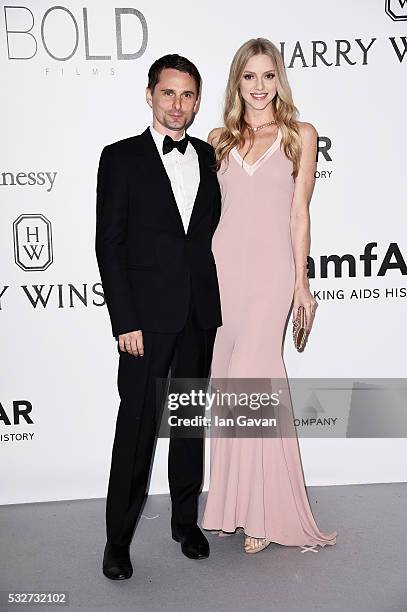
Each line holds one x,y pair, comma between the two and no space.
266,165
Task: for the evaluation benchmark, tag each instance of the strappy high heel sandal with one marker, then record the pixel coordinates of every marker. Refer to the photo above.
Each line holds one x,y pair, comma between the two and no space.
255,545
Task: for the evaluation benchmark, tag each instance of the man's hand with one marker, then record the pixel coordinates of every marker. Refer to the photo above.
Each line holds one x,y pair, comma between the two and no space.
132,343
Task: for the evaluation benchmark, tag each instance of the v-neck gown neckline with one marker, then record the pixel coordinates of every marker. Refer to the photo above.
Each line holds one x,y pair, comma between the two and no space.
251,168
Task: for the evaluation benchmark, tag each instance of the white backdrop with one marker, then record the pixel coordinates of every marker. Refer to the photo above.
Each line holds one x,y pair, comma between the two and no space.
58,355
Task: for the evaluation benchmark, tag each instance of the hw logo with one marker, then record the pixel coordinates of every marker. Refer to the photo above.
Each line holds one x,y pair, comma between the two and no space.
32,242
396,9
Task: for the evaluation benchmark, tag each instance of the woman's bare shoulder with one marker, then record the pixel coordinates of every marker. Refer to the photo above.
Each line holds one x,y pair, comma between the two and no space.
214,135
307,131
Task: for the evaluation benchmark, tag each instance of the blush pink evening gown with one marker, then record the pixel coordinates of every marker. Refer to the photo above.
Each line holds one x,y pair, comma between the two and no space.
257,483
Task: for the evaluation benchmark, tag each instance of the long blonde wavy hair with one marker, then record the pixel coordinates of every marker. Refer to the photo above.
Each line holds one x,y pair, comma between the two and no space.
285,112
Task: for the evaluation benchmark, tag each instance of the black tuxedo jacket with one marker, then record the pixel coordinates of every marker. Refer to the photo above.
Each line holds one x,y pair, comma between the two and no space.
149,266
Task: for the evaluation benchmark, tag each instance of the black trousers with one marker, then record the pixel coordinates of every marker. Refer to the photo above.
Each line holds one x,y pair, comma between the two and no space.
188,354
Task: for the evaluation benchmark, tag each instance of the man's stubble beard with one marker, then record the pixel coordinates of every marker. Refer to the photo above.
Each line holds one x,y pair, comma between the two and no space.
177,128
174,128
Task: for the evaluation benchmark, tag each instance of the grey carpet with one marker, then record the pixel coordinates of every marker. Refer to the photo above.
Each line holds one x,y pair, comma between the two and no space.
59,545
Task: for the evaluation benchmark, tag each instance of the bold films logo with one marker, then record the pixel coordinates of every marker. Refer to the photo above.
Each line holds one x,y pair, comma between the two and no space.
67,37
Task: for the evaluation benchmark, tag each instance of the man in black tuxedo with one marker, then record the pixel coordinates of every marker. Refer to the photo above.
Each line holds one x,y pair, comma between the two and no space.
158,204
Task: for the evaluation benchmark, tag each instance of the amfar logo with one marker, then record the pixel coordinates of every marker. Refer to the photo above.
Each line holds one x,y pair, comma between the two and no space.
32,242
324,146
345,266
61,31
396,9
21,410
28,178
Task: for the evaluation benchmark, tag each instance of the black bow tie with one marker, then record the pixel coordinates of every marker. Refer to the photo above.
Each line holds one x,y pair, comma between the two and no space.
169,144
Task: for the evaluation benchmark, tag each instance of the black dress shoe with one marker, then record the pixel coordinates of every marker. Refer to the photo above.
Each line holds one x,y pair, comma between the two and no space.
116,562
194,545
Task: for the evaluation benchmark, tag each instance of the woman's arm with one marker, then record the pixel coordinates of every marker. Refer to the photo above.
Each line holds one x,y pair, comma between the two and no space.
300,220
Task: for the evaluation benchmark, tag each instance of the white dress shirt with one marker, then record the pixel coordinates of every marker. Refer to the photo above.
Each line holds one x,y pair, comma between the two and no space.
183,172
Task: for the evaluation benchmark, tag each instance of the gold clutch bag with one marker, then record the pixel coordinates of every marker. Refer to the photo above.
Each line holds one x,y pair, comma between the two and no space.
299,329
